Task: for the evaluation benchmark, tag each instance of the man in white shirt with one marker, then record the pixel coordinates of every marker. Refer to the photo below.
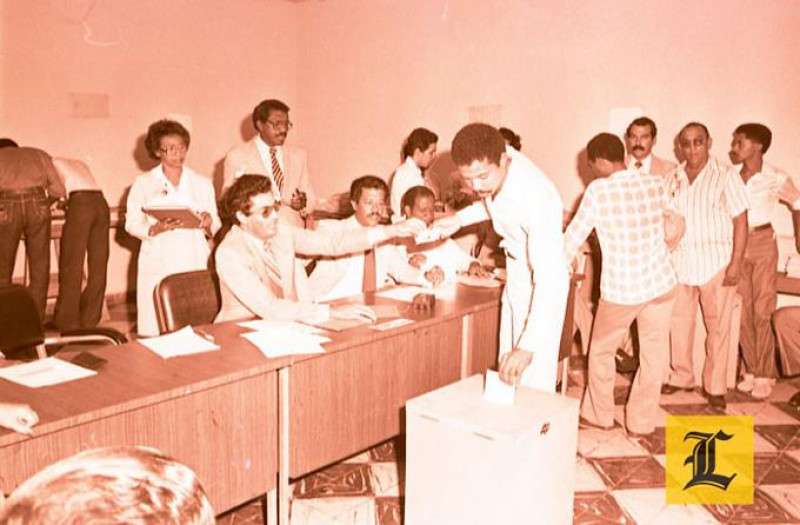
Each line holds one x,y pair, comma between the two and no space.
257,265
419,151
638,282
526,211
640,137
267,154
758,282
445,254
711,197
355,272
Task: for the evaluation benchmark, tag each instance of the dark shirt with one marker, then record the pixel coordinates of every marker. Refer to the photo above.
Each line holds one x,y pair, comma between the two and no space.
22,168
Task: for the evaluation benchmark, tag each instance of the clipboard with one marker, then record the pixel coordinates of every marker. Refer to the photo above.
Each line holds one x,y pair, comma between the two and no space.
187,217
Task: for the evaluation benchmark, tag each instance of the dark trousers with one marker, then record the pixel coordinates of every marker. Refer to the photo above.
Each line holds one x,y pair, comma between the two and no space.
26,212
85,237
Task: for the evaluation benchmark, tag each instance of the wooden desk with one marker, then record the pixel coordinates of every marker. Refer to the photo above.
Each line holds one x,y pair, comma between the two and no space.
216,412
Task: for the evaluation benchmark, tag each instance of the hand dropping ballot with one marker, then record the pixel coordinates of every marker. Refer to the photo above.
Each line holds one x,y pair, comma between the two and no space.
496,391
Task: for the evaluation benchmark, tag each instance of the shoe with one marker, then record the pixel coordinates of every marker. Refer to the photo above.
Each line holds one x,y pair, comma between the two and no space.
586,424
716,401
625,363
668,389
762,388
746,384
795,400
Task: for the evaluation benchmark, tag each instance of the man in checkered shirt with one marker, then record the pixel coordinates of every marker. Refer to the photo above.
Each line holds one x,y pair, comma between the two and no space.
637,282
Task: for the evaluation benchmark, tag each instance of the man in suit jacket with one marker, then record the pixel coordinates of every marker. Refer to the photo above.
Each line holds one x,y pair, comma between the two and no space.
337,277
256,262
266,154
640,137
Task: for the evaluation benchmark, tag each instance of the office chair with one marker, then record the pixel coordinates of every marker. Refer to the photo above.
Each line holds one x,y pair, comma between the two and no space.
188,298
21,328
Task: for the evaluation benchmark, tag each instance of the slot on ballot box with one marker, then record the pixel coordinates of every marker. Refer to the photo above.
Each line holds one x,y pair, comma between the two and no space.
470,460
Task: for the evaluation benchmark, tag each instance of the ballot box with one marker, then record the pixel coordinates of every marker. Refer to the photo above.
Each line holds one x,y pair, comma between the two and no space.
469,460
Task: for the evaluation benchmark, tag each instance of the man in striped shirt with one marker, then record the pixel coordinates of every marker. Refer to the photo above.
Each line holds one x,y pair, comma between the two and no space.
626,209
712,198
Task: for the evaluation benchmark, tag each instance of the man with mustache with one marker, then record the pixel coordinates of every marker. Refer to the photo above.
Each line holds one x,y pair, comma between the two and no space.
267,154
712,198
335,277
640,137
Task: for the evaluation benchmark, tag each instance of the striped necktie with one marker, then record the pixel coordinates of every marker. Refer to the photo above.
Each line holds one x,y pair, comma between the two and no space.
271,264
277,174
369,282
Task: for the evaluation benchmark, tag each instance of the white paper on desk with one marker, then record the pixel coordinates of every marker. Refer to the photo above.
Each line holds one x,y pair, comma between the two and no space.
394,323
445,290
496,391
267,325
479,282
183,342
340,325
385,311
44,372
277,343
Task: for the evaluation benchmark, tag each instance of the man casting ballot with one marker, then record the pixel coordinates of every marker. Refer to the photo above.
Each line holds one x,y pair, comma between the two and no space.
526,211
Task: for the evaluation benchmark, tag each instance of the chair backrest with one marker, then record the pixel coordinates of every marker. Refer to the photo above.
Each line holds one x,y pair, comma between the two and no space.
20,325
189,298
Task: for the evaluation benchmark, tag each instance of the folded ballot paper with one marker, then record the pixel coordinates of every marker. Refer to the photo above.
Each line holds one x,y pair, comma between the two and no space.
277,339
183,342
44,372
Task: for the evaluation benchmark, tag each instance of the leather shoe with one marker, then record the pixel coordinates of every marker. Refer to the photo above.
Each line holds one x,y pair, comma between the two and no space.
795,400
716,401
585,423
671,389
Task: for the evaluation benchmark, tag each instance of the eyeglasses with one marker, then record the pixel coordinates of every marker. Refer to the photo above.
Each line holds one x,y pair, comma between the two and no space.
266,211
280,124
173,149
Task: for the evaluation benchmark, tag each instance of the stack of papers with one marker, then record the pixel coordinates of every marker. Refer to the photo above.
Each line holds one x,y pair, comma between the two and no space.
446,290
480,282
183,342
281,342
44,372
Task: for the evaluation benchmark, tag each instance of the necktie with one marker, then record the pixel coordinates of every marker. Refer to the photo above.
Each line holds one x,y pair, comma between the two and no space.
271,265
638,164
368,283
277,174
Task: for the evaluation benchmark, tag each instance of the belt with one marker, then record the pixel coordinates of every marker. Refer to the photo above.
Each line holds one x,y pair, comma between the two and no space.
36,191
761,227
79,192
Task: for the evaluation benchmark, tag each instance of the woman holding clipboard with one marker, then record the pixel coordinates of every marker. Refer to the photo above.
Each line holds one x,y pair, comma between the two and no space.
172,210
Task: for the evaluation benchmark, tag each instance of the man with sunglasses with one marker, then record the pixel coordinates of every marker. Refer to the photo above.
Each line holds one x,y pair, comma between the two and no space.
257,265
267,154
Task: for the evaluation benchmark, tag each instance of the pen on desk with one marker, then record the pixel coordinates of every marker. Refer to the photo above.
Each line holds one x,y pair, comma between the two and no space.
205,335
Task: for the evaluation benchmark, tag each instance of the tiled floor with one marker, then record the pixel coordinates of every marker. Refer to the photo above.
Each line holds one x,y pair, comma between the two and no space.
619,479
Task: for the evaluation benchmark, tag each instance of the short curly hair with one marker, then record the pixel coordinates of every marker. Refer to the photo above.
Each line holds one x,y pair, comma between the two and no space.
477,142
237,197
161,129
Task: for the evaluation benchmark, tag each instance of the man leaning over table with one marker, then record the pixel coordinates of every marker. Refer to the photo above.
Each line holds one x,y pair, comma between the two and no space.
256,261
526,212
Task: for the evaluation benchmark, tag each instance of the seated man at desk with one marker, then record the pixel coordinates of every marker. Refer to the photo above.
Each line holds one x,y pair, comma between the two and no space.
364,270
445,254
258,271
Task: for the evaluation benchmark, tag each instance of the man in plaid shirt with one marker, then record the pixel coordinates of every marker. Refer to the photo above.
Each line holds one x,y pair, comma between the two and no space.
637,282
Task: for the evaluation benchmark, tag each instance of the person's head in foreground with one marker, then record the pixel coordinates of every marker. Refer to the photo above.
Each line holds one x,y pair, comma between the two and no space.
250,204
479,153
606,154
130,485
418,202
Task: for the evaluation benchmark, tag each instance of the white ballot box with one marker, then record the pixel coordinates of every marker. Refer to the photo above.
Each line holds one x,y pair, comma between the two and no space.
469,460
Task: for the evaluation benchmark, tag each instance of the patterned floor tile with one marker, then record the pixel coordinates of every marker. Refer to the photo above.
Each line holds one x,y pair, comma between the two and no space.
655,443
308,512
387,451
361,514
592,508
389,511
649,506
783,391
607,443
782,436
340,480
586,478
792,412
763,510
794,454
763,413
691,409
787,496
363,457
385,479
784,470
246,514
761,444
762,463
630,472
683,398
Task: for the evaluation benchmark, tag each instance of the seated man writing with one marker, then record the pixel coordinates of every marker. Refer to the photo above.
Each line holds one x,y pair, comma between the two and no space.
365,270
444,255
256,261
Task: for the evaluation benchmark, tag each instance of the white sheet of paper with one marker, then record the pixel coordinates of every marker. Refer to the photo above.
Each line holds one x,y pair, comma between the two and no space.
44,372
385,311
446,290
277,343
265,325
183,342
394,323
480,282
496,391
